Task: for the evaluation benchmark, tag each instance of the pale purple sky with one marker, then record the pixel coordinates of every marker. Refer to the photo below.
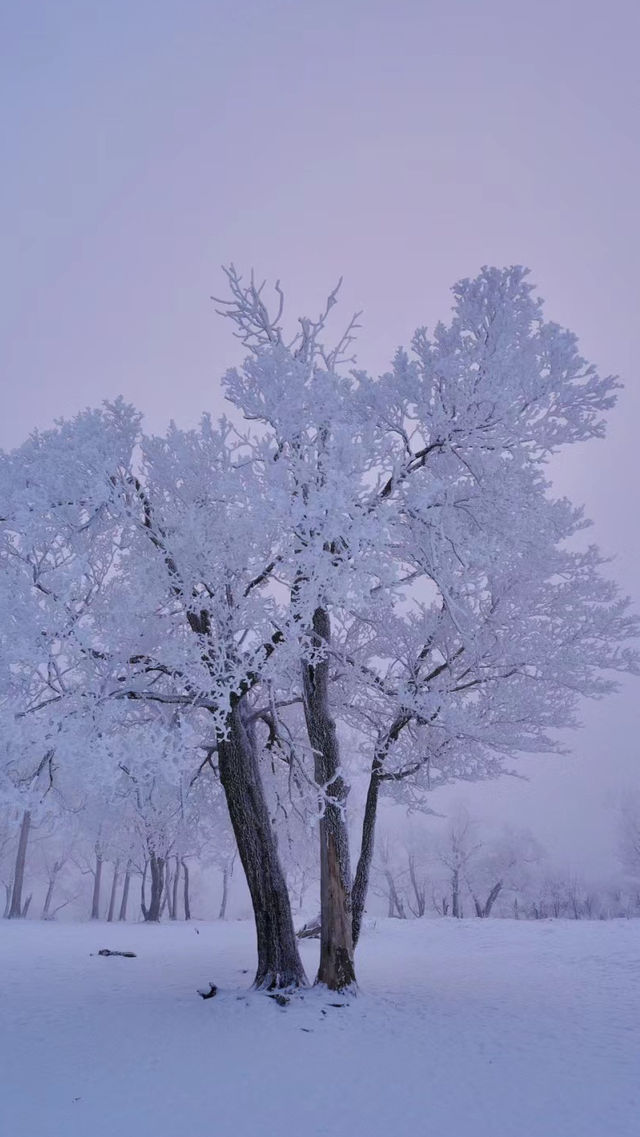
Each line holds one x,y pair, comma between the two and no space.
402,144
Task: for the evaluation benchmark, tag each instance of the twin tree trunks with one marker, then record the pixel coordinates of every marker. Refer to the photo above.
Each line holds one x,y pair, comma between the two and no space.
279,963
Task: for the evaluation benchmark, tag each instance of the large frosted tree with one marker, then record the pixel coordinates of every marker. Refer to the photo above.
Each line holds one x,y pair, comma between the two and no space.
381,554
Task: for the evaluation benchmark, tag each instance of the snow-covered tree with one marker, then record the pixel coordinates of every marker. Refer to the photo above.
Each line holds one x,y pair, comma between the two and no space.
383,557
504,865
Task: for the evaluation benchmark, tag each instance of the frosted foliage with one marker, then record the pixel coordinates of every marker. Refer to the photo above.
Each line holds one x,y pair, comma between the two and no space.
147,585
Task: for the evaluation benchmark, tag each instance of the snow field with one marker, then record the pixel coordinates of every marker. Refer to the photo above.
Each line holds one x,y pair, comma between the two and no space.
461,1029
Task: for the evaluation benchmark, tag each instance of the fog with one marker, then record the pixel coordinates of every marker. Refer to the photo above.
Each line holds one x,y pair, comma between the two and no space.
400,145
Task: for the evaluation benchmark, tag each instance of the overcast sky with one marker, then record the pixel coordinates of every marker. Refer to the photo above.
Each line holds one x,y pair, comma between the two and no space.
402,144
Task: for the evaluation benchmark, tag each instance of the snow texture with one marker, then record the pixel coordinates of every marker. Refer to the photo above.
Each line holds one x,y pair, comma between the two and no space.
463,1028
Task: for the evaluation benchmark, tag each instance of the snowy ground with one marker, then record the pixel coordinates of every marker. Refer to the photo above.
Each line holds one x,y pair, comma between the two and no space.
462,1029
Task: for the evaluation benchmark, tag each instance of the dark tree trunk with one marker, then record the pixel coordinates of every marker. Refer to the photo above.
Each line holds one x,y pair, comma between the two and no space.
174,899
185,891
157,865
455,894
114,887
279,963
363,871
143,882
125,893
484,910
168,898
97,878
336,968
365,860
151,914
419,891
16,909
226,873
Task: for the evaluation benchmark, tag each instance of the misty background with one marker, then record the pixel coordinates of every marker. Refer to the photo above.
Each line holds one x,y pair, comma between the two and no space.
401,145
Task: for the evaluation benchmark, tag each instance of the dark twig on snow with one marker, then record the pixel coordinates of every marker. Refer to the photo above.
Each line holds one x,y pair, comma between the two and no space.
204,994
126,954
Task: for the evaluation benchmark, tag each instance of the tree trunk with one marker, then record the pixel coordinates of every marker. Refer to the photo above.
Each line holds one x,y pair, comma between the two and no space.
185,891
176,881
125,893
395,903
492,897
302,892
53,876
336,968
143,882
455,894
112,897
151,914
165,892
157,887
418,890
279,963
97,878
363,871
226,873
168,891
484,910
384,741
16,909
48,898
